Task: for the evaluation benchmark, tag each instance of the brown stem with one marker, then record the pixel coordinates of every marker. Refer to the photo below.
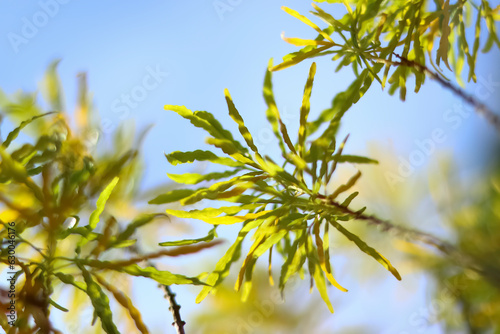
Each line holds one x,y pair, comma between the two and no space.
170,296
174,308
478,106
465,260
400,231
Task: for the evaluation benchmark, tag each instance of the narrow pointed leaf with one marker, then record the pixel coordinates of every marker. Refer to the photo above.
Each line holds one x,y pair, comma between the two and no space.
177,157
101,202
304,111
366,249
235,115
100,302
194,178
172,196
14,133
307,21
210,236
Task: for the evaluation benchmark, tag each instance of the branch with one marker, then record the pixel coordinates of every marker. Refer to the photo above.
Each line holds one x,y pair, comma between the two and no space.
170,296
174,308
478,106
400,231
412,235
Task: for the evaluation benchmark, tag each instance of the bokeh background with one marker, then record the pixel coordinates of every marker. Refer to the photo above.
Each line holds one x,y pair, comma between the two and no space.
140,56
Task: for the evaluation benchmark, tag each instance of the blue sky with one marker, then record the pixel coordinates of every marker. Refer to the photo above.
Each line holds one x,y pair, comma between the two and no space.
195,52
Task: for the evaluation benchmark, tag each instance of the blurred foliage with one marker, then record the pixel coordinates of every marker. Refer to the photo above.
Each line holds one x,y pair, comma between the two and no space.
466,299
52,179
265,311
286,204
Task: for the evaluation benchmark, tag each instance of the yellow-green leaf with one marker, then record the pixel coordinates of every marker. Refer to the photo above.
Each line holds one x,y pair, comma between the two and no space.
194,178
321,257
101,202
172,196
272,113
307,21
100,302
210,236
366,249
235,115
444,44
178,157
304,111
299,58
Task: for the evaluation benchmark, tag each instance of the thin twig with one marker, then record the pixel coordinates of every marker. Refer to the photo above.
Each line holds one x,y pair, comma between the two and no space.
413,236
478,106
174,308
400,231
170,296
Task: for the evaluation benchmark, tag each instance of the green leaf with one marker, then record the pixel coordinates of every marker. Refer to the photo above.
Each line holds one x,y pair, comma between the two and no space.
345,186
217,190
70,279
224,220
491,24
57,306
101,202
304,111
206,121
177,157
444,44
340,104
337,25
163,277
100,302
349,199
295,257
475,47
307,21
299,58
11,169
355,159
322,258
317,274
210,236
194,178
160,276
228,147
272,113
366,249
211,212
235,115
14,133
134,225
233,253
123,243
172,196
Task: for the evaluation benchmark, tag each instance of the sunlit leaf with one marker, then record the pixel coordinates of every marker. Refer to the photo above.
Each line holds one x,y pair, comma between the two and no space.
100,302
365,248
210,236
177,157
101,202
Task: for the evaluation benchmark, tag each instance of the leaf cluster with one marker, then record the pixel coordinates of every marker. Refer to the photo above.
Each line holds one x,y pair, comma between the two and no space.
286,204
371,33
